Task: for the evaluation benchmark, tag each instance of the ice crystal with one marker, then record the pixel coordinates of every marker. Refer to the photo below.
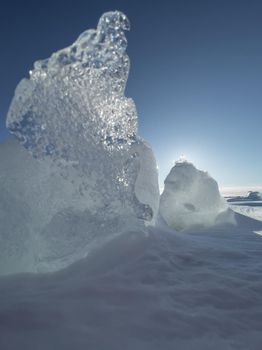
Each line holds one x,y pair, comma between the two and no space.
91,176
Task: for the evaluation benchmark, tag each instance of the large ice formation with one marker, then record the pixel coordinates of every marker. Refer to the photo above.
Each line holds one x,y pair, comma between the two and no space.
191,198
84,174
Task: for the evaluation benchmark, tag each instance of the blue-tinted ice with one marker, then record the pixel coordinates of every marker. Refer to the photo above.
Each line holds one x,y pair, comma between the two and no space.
83,175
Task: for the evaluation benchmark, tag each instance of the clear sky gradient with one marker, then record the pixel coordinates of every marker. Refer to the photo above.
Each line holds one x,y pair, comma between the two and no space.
196,73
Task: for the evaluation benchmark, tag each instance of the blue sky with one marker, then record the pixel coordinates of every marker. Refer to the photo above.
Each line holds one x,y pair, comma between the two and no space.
196,73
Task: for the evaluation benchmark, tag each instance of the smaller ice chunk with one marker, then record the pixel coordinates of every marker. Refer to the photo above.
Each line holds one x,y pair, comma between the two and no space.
191,198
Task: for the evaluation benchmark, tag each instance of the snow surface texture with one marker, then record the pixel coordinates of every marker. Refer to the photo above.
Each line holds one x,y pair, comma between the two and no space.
254,212
191,198
85,174
164,290
250,205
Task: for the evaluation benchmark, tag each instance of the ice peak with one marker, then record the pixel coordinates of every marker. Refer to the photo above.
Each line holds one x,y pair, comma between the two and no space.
113,22
78,95
182,159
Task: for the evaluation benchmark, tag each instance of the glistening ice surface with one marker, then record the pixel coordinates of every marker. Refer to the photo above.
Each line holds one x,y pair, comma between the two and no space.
77,96
84,175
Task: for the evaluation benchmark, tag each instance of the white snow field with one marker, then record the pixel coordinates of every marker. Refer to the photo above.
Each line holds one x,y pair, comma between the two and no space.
86,261
251,209
144,290
247,206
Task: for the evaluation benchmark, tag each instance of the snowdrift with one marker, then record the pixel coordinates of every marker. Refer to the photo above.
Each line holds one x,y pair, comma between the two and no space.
144,290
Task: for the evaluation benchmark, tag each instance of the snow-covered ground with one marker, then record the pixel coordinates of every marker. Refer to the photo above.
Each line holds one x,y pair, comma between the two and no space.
144,290
251,209
248,203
